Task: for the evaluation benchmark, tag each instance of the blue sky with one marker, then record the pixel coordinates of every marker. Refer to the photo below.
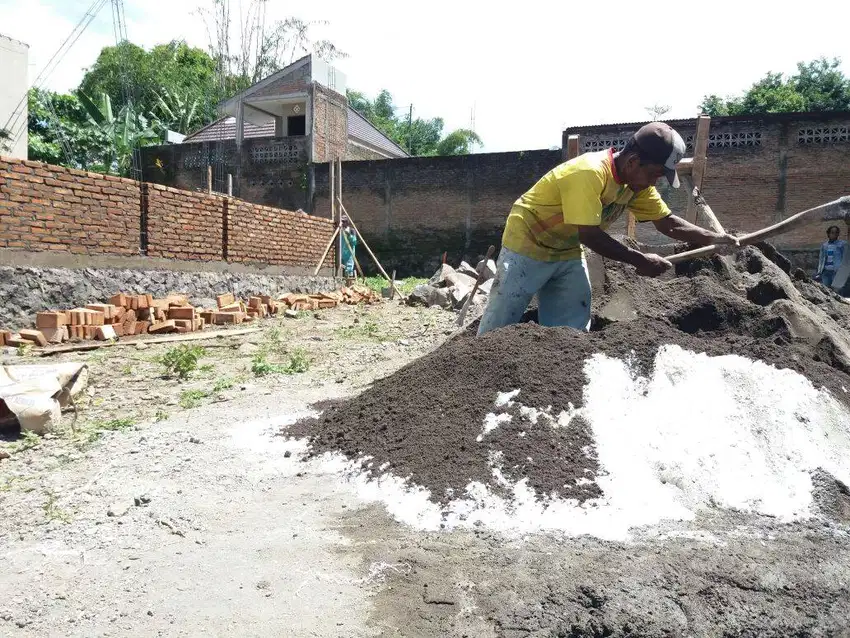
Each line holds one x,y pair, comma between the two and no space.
529,70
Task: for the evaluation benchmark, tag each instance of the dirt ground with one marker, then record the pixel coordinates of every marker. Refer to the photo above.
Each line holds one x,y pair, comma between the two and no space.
172,509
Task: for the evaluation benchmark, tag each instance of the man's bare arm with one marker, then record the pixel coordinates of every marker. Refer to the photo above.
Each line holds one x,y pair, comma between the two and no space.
602,243
677,228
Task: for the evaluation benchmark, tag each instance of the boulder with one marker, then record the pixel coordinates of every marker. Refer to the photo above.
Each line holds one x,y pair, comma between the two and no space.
489,268
427,295
466,269
460,280
486,286
439,277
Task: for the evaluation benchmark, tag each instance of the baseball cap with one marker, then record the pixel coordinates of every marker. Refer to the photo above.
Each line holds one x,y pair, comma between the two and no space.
662,145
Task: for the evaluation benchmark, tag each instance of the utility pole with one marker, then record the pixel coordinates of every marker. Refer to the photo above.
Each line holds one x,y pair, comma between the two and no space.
409,131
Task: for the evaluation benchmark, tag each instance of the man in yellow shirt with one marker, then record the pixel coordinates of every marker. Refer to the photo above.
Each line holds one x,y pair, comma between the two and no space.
572,206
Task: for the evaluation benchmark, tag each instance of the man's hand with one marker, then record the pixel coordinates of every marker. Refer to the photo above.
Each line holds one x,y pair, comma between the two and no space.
726,238
652,265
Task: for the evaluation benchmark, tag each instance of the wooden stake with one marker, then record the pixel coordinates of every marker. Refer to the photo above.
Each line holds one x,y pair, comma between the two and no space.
339,198
703,207
392,282
699,163
369,250
327,250
209,179
631,225
348,243
229,185
332,181
195,336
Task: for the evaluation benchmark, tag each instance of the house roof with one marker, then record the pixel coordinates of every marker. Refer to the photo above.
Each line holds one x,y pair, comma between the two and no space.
723,119
225,129
359,128
362,129
264,82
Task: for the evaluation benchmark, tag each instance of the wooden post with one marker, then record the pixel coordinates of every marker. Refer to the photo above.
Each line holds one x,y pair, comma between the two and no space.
230,185
573,147
209,179
339,198
699,163
348,243
392,281
332,185
369,250
631,224
327,250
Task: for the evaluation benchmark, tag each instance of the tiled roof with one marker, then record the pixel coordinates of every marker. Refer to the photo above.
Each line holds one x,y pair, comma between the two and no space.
225,129
362,129
358,127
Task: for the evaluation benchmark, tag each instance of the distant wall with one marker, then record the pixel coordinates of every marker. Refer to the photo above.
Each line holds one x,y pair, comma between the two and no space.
51,208
761,169
270,171
412,210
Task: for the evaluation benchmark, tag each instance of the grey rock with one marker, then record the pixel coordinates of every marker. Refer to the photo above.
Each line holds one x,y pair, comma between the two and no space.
427,295
460,280
287,454
440,276
142,499
4,454
290,314
119,508
466,269
142,346
194,439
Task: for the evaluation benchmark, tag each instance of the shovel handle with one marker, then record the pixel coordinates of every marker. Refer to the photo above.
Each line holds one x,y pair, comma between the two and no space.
478,282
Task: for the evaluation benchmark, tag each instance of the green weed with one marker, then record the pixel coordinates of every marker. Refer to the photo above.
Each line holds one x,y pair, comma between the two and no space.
28,441
24,349
363,331
297,362
127,369
161,415
207,367
52,511
223,383
192,398
114,424
181,360
404,286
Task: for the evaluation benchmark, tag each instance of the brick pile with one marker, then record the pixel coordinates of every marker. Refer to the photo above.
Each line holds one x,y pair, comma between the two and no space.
128,315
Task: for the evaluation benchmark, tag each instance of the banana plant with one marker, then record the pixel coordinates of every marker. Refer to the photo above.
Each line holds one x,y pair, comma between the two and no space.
125,132
175,113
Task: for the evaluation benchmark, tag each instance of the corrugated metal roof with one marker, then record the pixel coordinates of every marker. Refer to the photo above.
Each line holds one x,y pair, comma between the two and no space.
362,129
225,129
358,127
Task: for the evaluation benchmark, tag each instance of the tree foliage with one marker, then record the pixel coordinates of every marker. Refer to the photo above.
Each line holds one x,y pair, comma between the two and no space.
416,135
57,122
818,85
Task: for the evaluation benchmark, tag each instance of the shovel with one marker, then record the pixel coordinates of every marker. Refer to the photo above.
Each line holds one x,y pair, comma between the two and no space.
478,282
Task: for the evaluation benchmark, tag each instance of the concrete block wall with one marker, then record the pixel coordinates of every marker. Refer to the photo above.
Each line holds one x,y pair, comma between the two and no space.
45,207
412,210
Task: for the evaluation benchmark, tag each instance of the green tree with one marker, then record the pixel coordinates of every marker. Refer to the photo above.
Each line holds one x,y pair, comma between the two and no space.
416,135
817,86
129,73
459,142
60,131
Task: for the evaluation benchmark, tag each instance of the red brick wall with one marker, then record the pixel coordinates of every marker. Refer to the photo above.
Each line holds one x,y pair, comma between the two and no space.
184,224
45,207
274,236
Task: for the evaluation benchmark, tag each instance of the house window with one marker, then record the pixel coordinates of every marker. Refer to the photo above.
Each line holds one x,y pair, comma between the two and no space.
296,125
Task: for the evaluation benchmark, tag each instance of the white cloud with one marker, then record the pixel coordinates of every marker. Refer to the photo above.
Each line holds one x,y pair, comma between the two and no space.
529,70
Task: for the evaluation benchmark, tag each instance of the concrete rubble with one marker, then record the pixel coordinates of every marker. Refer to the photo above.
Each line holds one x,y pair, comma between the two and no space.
450,287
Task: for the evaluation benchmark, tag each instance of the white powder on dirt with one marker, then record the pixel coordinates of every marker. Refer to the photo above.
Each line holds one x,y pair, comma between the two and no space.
702,432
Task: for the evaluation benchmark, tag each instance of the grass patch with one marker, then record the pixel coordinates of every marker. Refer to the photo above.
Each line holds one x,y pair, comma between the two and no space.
181,360
364,330
296,362
161,415
115,424
404,286
223,383
207,367
192,398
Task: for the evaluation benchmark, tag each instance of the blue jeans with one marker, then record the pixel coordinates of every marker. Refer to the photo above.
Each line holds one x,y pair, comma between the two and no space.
827,277
562,288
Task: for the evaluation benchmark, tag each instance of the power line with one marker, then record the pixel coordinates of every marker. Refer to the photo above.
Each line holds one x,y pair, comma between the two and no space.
48,70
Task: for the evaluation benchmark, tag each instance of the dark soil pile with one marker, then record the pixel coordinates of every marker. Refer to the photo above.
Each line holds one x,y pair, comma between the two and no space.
423,421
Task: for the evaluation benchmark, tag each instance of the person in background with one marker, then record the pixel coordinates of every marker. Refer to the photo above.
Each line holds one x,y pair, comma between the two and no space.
348,253
831,255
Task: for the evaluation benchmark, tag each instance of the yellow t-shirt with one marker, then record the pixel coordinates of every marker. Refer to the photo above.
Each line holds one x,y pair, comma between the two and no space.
543,223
